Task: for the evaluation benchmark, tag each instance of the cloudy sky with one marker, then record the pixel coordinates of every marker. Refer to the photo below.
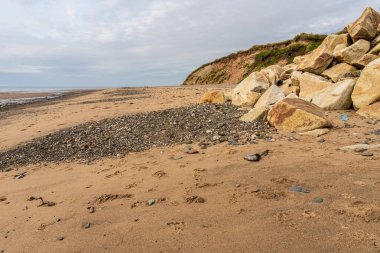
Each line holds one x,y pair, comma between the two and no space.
85,43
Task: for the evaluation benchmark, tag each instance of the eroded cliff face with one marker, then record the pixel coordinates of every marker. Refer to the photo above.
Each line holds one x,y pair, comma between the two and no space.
233,68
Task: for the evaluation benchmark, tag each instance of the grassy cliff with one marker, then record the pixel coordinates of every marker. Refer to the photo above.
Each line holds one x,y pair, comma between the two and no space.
232,69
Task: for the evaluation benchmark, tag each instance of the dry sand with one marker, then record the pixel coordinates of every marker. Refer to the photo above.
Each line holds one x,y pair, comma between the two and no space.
248,206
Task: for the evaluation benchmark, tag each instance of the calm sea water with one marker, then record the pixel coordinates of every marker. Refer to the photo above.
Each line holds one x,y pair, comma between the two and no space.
46,89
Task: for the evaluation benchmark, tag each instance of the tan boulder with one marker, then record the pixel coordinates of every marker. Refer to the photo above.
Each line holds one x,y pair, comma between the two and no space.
213,96
288,71
270,97
338,71
370,111
318,60
335,97
375,50
375,41
311,84
294,114
365,60
353,52
295,78
367,88
252,98
255,82
287,88
292,95
227,95
272,73
366,27
299,59
256,114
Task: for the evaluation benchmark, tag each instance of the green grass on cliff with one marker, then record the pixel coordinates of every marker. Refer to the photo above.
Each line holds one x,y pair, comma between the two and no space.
274,55
269,54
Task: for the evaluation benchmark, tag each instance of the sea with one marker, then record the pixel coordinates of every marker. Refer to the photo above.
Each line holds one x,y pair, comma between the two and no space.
53,92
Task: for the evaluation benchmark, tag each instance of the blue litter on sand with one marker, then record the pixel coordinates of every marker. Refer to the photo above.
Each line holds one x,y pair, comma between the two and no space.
344,117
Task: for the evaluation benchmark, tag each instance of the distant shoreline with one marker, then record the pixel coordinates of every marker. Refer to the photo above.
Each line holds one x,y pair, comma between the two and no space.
17,99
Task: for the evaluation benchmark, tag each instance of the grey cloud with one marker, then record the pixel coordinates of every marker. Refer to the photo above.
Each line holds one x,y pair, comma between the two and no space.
158,42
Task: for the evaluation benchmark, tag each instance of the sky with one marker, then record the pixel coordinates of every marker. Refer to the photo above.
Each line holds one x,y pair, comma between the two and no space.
111,43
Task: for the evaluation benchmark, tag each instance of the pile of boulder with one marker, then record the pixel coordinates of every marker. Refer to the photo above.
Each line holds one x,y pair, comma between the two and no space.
342,73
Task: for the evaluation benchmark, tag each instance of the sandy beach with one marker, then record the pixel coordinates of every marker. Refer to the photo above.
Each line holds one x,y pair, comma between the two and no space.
211,200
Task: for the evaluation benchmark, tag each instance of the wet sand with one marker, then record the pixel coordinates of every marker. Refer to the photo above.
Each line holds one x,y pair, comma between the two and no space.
247,207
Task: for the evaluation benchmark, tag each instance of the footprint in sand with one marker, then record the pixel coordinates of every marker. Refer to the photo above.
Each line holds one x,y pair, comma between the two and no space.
160,174
177,225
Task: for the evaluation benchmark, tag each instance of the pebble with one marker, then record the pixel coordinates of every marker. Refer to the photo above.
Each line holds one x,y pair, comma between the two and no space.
237,185
87,225
3,199
91,209
321,140
318,200
367,153
192,152
360,150
253,157
133,133
61,238
151,202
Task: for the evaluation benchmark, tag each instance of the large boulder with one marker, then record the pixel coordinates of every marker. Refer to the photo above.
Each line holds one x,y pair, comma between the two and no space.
294,114
339,70
375,50
288,71
295,78
336,97
272,73
370,111
213,96
318,60
256,114
299,59
366,27
367,88
311,84
365,60
376,40
270,97
255,82
353,52
287,88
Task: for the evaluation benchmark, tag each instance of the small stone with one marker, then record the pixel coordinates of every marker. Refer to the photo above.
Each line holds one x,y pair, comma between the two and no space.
253,157
91,209
367,153
3,199
151,202
192,152
321,140
360,149
237,185
61,238
318,200
87,225
216,138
